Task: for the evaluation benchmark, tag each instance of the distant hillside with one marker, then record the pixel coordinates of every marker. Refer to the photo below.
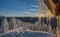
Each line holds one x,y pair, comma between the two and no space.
24,19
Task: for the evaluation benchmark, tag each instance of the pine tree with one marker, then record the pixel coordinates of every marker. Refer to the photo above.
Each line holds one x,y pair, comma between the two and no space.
5,25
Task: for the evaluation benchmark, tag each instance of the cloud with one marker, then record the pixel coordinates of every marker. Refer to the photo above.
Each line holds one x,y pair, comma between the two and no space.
33,9
34,6
26,12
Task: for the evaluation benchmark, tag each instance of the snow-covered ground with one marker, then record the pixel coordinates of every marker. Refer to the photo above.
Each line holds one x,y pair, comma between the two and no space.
24,33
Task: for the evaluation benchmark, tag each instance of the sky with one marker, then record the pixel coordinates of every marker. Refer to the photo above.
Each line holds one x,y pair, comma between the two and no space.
19,8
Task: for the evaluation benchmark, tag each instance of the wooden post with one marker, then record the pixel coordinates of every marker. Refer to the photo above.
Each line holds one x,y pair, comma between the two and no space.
39,18
58,26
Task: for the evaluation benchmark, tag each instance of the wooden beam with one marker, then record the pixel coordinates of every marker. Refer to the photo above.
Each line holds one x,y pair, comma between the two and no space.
54,8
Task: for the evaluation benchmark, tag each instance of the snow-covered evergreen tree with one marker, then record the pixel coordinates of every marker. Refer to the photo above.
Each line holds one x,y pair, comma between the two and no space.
12,23
5,25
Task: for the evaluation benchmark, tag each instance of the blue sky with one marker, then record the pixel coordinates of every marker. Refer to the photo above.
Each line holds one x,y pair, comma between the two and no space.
18,8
